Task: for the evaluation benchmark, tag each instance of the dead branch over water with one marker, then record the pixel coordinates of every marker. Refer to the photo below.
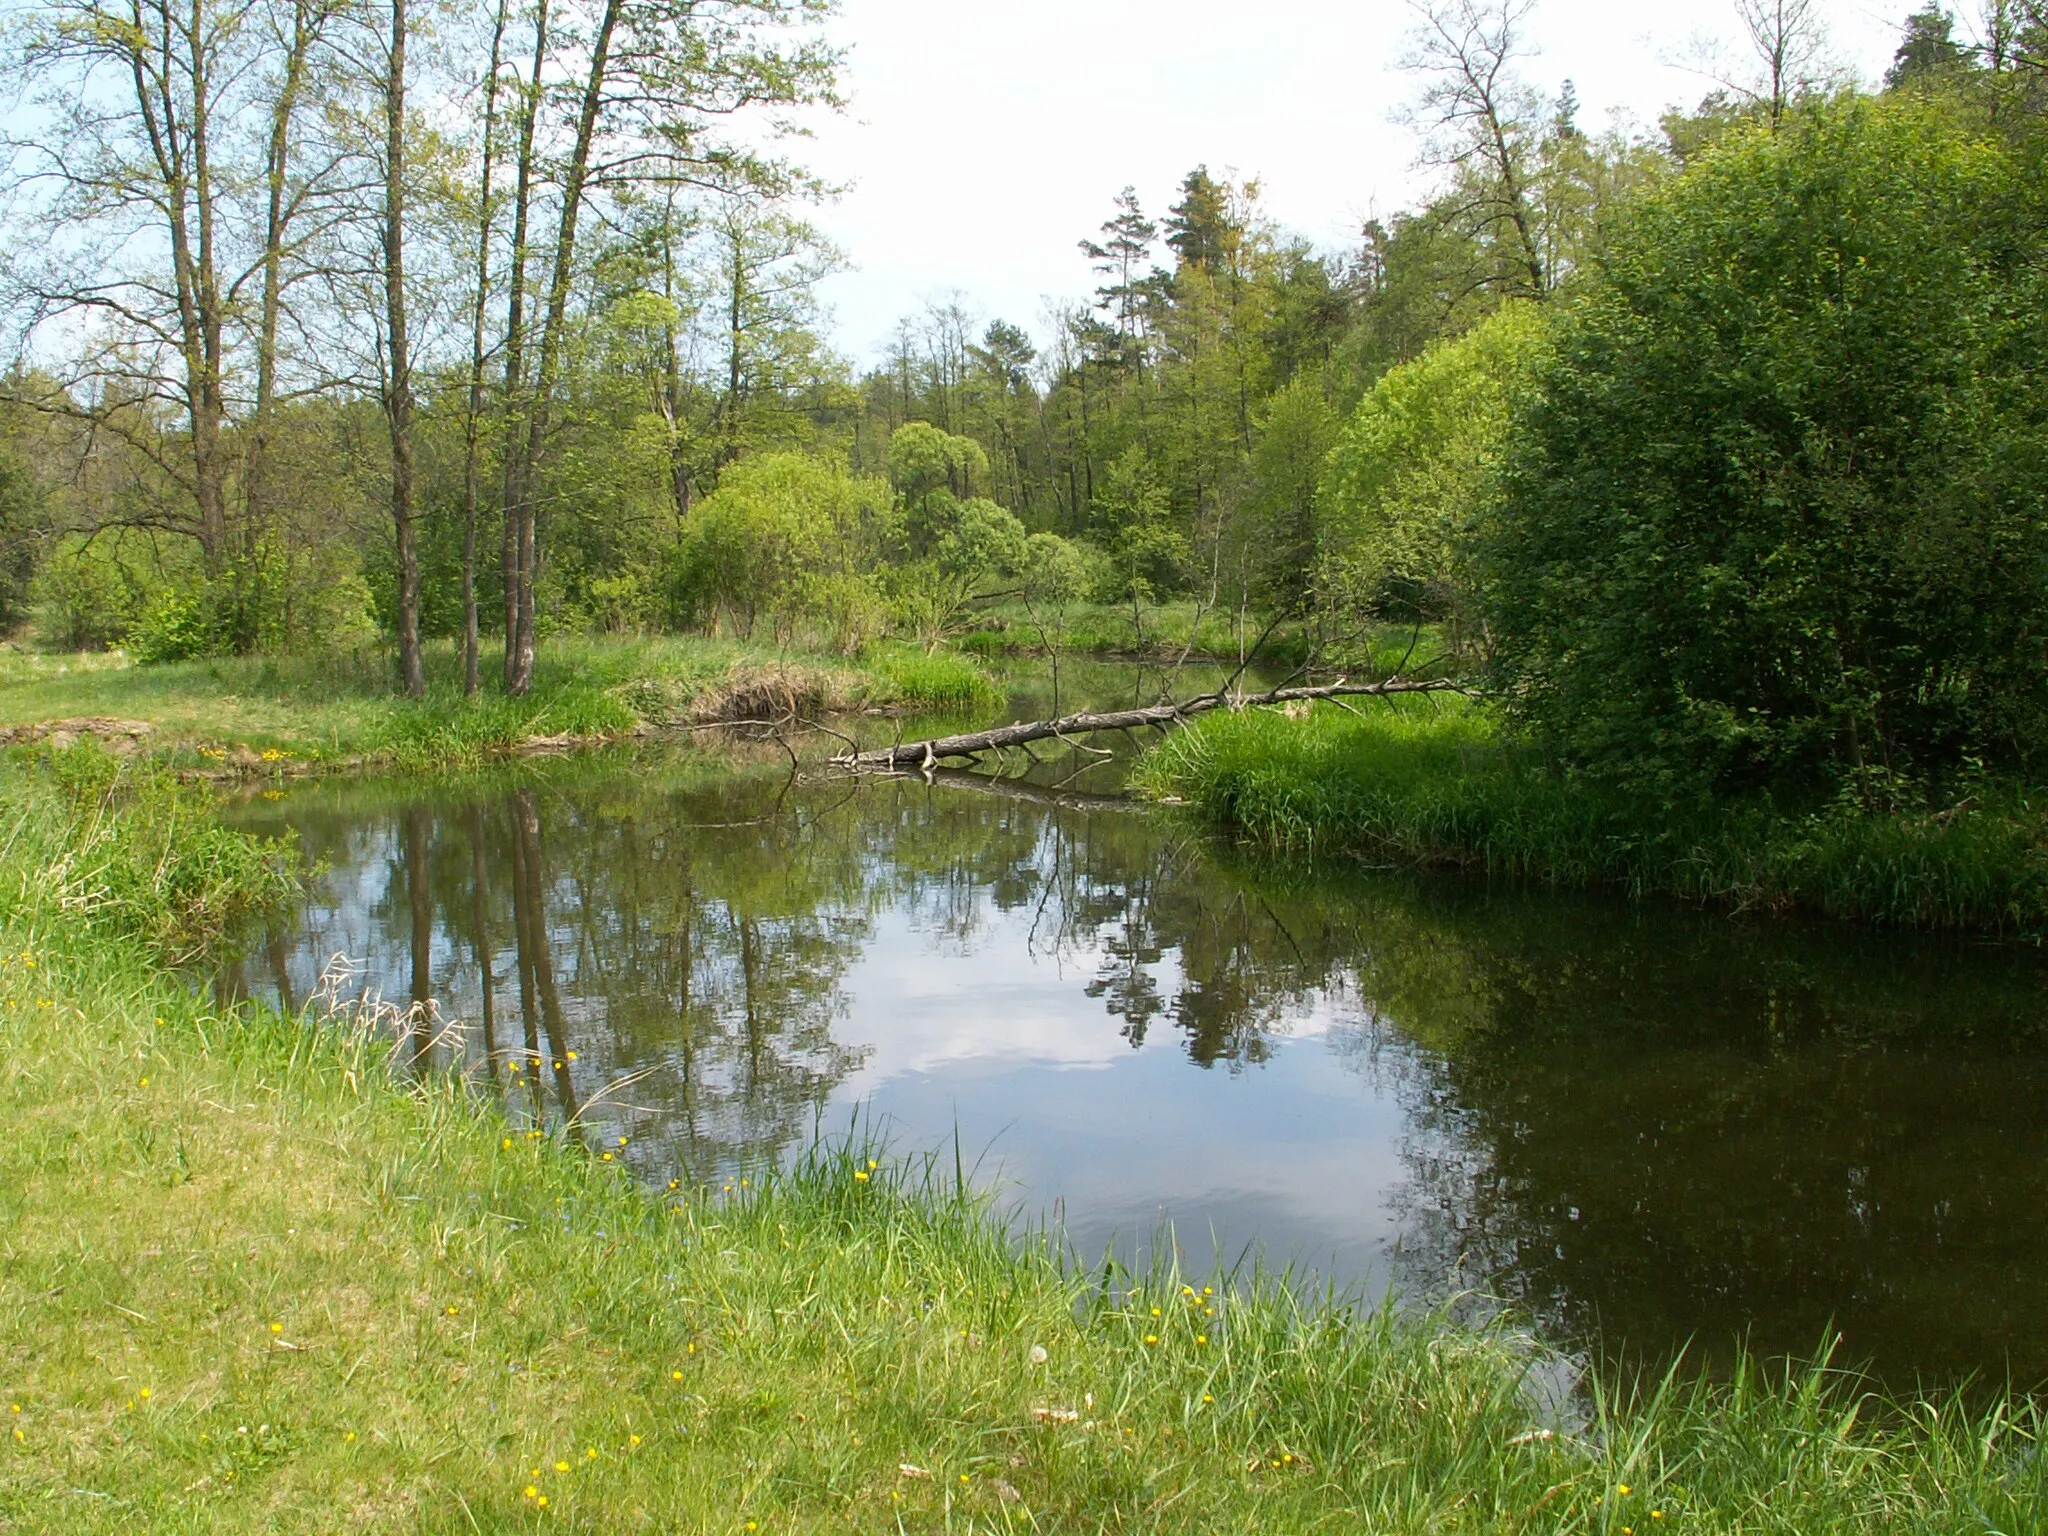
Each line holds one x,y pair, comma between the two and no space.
934,750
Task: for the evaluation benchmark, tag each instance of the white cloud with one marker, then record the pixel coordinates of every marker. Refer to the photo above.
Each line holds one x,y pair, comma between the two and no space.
987,137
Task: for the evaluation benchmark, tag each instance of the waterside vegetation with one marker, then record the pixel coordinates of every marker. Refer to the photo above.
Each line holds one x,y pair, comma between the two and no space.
313,1289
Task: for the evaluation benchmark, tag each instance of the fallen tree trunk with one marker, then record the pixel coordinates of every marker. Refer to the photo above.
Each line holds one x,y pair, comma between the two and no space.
929,753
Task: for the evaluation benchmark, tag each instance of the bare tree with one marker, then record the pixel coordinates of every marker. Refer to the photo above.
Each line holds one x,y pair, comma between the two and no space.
1790,43
1480,123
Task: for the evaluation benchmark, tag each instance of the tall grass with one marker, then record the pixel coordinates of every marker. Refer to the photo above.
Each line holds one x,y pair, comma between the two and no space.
256,1279
1432,783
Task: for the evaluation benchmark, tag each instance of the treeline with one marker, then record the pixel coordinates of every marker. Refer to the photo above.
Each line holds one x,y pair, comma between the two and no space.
337,326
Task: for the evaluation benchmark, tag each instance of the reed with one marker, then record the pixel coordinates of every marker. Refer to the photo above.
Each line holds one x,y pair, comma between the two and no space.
1433,783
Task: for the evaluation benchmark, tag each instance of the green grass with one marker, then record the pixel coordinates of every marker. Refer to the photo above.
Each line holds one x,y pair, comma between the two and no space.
1431,783
938,680
333,710
252,1279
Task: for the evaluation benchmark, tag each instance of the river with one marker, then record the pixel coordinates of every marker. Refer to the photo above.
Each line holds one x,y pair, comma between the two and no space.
1645,1128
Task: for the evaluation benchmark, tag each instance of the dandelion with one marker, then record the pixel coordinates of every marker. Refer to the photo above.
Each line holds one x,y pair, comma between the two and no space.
1208,1397
675,1375
561,1466
277,1327
144,1394
452,1311
633,1439
1151,1338
1038,1354
541,1502
1201,1338
607,1157
1622,1489
530,1491
1155,1311
505,1145
348,1437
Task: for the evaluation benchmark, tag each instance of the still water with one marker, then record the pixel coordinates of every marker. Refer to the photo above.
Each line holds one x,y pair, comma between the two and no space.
1642,1126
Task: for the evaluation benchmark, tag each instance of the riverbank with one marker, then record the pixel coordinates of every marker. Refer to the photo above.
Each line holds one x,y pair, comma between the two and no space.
281,715
1430,783
254,1279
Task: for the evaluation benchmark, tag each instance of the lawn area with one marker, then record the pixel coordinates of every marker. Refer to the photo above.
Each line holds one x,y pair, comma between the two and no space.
254,1279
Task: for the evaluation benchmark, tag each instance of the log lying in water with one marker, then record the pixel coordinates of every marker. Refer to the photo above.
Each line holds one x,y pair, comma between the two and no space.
928,754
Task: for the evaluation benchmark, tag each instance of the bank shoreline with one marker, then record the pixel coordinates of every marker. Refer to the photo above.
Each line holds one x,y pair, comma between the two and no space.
257,1275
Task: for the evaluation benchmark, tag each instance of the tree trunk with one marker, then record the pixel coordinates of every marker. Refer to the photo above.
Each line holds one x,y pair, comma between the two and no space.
551,336
256,497
473,417
515,345
928,754
398,393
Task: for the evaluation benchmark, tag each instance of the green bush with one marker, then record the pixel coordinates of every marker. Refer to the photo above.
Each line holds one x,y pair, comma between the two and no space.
1778,514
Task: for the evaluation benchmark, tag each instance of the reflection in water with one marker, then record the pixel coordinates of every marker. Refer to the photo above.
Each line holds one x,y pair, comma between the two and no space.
1637,1124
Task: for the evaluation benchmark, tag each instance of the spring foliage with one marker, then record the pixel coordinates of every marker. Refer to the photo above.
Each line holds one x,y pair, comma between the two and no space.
1778,512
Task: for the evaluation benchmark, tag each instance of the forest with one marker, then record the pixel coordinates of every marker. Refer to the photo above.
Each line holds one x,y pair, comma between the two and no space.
1713,453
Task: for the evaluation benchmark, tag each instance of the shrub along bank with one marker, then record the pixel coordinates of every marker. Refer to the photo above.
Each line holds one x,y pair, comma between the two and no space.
254,1278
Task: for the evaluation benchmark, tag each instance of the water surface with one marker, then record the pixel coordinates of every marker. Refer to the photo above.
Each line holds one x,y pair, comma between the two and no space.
1642,1125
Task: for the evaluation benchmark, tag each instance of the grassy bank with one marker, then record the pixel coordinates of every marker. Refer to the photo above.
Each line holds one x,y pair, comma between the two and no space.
253,1280
1430,782
273,713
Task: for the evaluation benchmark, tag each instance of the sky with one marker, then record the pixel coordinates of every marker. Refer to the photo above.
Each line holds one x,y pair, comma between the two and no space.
985,138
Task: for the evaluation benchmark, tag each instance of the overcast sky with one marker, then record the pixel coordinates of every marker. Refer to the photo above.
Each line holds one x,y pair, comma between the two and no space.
986,137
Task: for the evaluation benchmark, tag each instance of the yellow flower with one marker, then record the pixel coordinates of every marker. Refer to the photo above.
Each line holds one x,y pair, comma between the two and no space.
505,1145
1208,1397
1201,1338
349,1436
633,1439
591,1453
1622,1489
452,1311
144,1394
860,1175
541,1502
572,1057
873,1164
1151,1338
277,1327
530,1491
675,1375
561,1466
622,1141
607,1157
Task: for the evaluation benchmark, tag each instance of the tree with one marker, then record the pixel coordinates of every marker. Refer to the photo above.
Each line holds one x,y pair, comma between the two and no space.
1775,515
1481,121
398,401
1415,473
1927,50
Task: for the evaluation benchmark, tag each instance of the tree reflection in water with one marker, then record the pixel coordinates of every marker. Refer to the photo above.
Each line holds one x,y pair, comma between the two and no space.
1636,1123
